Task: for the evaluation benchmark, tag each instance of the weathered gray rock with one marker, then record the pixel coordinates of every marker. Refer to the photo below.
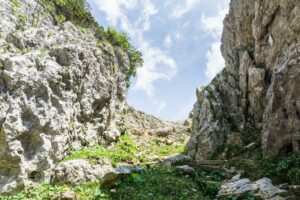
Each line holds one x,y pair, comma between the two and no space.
61,89
110,177
266,188
262,188
79,171
259,87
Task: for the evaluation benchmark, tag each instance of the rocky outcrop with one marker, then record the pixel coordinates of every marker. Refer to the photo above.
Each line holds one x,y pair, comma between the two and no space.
60,90
259,86
139,124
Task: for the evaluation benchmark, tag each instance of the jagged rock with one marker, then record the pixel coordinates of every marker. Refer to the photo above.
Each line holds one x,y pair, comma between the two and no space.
262,188
61,89
259,87
266,188
141,124
79,171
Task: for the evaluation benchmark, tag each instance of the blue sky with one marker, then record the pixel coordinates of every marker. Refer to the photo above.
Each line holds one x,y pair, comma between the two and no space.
180,42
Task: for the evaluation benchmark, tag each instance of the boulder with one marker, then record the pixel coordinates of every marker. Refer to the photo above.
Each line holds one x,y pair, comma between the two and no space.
262,188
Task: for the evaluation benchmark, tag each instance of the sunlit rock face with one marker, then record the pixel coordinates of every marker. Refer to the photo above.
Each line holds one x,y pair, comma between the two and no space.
260,85
60,90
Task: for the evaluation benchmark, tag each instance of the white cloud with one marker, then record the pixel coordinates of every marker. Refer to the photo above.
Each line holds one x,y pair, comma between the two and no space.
172,37
183,8
215,61
168,41
214,25
114,8
158,65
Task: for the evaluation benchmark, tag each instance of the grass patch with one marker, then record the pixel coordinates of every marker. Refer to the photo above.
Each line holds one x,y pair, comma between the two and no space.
91,190
156,148
124,151
158,183
42,192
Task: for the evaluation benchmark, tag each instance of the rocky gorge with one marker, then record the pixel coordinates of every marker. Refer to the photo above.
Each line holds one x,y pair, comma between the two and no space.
68,133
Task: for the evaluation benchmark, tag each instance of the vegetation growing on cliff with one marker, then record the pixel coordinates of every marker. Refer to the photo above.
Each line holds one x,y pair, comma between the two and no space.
77,11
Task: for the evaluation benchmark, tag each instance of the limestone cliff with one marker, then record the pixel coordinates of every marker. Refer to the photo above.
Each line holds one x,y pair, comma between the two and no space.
60,89
260,84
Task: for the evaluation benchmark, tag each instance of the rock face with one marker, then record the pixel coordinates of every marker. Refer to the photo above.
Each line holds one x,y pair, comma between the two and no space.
260,84
60,90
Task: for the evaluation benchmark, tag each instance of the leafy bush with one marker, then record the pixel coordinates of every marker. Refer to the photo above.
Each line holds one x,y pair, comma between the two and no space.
294,176
121,40
76,11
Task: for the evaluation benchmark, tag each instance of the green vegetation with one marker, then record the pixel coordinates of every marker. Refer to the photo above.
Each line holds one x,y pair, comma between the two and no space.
260,65
77,11
88,191
158,183
44,191
160,149
1,65
91,190
15,6
281,168
209,183
124,151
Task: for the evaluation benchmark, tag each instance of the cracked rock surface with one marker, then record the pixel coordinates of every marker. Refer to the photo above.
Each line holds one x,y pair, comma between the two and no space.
259,86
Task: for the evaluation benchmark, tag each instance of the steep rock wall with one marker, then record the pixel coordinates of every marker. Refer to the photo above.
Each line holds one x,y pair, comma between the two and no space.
260,84
60,90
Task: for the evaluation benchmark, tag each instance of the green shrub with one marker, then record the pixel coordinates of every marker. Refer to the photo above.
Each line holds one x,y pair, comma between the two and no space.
135,57
279,167
251,135
260,65
294,176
